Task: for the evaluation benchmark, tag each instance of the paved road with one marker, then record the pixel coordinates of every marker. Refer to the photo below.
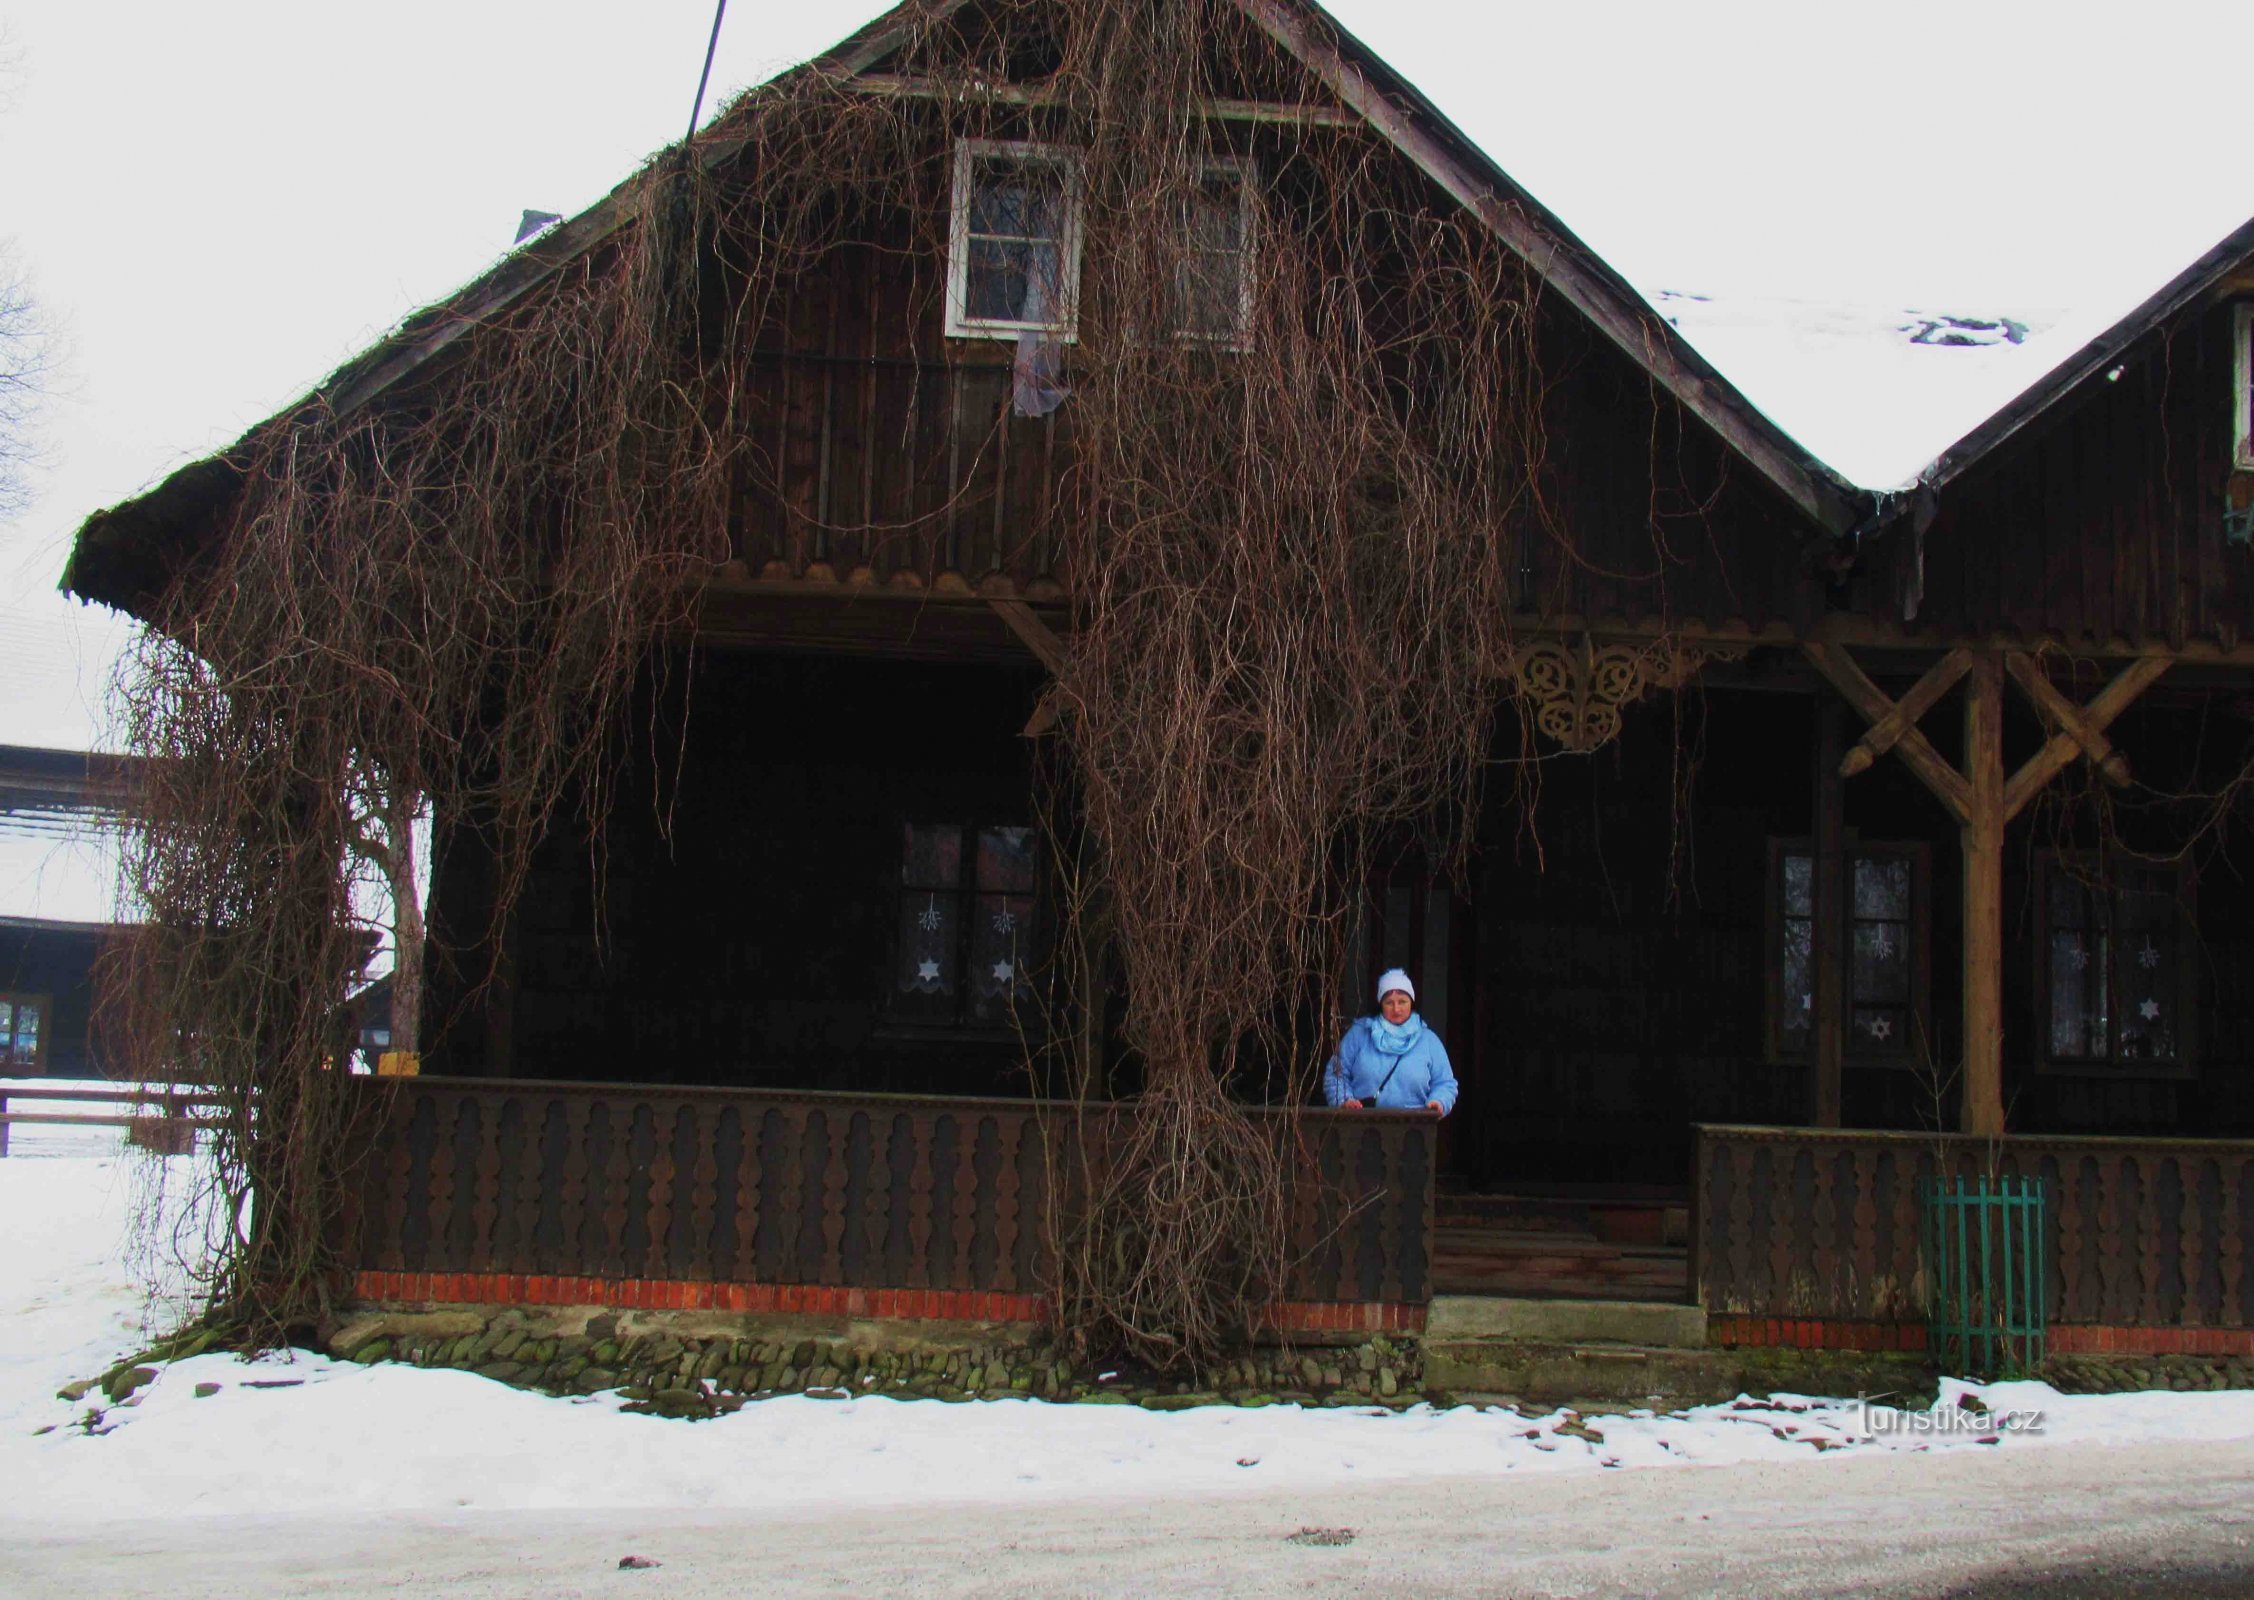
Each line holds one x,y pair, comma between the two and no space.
2143,1520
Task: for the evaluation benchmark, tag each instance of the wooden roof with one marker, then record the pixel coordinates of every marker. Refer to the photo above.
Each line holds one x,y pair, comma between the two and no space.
122,554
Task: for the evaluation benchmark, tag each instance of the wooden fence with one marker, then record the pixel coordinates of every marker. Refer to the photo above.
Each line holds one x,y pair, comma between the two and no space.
1817,1223
490,1177
169,1129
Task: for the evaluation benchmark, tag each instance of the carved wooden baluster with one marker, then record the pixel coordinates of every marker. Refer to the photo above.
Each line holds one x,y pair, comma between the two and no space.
1011,1129
790,1198
751,1181
877,1204
1905,1263
1862,1264
486,1211
1824,1262
450,1108
2147,1308
1391,1179
1035,1261
2110,1225
533,1182
399,1161
2192,1242
704,1192
840,1130
657,1208
965,1206
617,1169
1741,1226
571,1247
919,1204
2230,1249
1776,1223
2067,1200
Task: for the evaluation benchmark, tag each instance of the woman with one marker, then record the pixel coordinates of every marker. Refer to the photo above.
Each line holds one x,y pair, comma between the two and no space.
1392,1060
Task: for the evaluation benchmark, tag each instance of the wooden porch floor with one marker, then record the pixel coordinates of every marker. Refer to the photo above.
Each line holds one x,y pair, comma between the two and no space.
1568,1244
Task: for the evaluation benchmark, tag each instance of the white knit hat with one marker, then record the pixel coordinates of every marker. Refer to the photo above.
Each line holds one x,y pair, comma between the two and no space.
1394,978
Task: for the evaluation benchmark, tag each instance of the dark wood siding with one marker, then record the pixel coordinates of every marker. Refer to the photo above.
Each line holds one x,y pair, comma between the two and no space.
2101,522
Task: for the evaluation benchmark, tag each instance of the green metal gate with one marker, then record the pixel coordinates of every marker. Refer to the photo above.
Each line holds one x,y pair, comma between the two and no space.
1985,1276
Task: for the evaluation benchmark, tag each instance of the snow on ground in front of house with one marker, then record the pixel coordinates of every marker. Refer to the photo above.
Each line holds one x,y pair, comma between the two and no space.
303,1433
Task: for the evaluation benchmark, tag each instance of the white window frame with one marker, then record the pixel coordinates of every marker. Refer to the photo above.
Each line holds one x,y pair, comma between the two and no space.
2242,387
968,153
1247,173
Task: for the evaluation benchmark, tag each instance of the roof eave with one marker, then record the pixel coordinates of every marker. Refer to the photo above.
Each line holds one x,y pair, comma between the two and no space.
2186,289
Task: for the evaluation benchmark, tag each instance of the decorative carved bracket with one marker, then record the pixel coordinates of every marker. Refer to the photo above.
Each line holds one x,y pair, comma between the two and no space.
1578,690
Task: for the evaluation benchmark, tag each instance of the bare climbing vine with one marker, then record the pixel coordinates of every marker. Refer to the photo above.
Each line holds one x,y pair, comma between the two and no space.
1290,540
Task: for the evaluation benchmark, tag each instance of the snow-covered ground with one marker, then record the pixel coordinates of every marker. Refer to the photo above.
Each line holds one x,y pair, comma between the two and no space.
303,1434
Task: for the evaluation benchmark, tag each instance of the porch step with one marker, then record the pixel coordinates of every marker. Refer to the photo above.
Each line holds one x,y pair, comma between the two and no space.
1645,1324
1656,1219
1488,1260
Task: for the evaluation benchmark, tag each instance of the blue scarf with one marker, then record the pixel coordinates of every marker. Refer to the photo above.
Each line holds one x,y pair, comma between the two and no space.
1396,1039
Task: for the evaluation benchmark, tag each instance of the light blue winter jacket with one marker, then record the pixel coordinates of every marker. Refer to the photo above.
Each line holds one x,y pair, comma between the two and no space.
1355,1072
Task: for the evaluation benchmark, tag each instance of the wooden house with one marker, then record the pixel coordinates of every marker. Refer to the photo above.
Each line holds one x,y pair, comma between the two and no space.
1741,895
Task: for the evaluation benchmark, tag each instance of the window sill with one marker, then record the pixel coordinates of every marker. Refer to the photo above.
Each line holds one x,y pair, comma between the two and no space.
2120,1071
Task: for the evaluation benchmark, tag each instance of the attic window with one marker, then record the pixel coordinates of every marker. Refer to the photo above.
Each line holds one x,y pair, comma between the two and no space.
1014,257
2242,388
1213,283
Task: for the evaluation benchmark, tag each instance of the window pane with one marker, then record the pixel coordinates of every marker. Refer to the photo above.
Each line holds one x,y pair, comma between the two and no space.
1005,860
1207,288
998,979
1796,993
1217,213
931,855
7,1030
1017,202
1882,888
925,980
2077,996
2145,983
1880,1028
1012,282
1881,958
26,1052
1799,886
2069,902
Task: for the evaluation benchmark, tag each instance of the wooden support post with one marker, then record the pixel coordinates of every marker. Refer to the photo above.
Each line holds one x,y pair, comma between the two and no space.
1983,839
1830,1032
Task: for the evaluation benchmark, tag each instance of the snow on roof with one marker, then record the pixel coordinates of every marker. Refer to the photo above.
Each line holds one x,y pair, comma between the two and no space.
1825,200
1877,391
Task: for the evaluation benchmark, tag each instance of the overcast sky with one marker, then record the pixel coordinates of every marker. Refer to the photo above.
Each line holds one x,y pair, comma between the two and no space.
217,203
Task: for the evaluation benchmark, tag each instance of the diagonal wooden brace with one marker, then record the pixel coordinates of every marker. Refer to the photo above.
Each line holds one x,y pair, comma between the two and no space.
1038,637
2076,730
1889,730
1917,752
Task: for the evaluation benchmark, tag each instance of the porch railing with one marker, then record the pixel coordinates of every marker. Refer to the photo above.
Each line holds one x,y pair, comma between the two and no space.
1824,1223
488,1176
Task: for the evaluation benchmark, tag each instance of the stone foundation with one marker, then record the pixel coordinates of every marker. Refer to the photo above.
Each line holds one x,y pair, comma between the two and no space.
699,1365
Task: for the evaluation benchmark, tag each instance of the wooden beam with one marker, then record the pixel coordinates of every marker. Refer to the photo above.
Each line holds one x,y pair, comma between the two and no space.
2080,730
1982,836
1038,636
1908,712
1046,714
1916,751
1042,94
